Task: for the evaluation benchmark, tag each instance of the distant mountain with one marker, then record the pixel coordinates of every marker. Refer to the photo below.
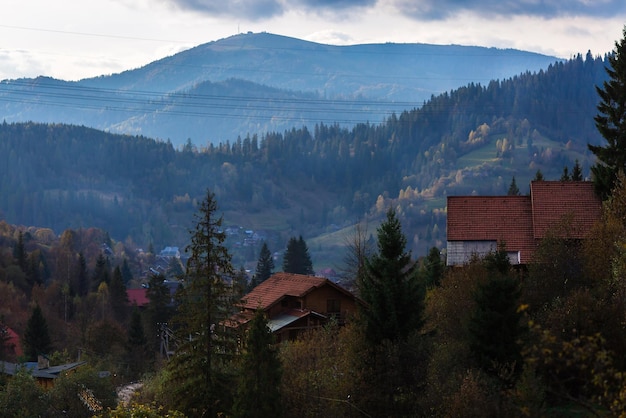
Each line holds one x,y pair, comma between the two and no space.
256,83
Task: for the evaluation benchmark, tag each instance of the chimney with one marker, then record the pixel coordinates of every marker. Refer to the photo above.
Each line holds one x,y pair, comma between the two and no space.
42,362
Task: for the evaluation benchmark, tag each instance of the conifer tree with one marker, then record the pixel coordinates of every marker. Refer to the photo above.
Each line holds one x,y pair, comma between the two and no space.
513,189
393,294
611,122
127,275
264,267
258,388
565,175
101,273
36,337
577,172
495,325
297,259
82,276
118,295
158,311
434,267
200,369
137,347
19,252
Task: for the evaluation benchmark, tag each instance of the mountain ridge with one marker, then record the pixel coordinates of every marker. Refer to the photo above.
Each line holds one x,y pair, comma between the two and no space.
368,81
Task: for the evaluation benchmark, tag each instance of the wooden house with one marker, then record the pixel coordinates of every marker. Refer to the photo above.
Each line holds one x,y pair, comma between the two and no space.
295,302
476,225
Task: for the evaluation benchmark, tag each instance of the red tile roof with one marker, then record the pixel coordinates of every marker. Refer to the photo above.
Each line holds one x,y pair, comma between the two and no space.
138,297
520,221
558,201
505,219
278,285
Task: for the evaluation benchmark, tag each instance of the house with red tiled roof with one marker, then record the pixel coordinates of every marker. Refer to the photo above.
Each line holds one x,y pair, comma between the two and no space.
476,225
295,302
138,297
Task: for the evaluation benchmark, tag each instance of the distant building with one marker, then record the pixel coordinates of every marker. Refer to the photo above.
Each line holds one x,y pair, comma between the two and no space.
169,252
41,370
476,225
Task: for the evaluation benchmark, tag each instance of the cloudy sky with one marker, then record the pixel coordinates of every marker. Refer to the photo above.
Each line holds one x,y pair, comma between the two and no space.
70,40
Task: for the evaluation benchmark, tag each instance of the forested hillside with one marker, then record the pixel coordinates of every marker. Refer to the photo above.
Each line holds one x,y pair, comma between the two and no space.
309,180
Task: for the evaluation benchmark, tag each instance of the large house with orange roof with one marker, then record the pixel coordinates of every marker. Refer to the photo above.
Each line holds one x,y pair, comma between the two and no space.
476,225
295,302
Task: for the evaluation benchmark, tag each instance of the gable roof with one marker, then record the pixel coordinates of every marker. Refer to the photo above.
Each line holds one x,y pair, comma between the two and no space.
45,373
490,218
553,201
519,221
278,286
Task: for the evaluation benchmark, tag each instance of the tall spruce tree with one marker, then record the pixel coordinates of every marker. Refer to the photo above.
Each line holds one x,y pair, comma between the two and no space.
611,122
258,388
495,326
200,368
158,311
297,259
118,296
390,287
264,266
137,348
577,172
36,336
513,189
433,267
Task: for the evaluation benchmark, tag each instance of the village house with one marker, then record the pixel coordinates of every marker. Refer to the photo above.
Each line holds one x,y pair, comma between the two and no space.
476,225
294,303
41,370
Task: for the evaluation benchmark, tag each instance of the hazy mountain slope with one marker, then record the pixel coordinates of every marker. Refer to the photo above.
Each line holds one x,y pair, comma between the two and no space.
405,72
220,90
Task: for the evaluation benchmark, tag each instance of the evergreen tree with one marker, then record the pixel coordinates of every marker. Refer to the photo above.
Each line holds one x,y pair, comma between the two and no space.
159,310
200,367
434,267
513,189
138,351
577,172
495,327
565,175
127,275
297,259
174,269
19,252
101,273
393,295
611,122
240,284
82,276
36,337
118,295
264,266
258,389
538,176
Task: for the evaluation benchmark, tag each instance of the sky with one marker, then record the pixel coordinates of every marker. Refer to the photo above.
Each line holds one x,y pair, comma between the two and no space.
71,40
